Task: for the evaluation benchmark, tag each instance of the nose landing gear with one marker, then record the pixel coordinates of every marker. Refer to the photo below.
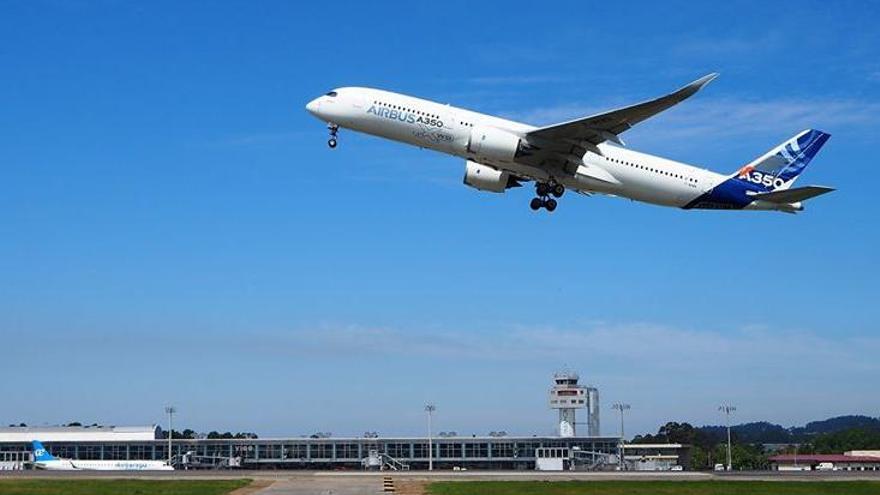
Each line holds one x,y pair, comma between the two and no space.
543,190
334,129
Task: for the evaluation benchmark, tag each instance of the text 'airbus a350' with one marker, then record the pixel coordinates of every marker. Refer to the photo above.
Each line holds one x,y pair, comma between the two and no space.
585,155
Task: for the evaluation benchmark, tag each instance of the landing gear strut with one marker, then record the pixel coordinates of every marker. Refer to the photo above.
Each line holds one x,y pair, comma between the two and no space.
334,129
543,190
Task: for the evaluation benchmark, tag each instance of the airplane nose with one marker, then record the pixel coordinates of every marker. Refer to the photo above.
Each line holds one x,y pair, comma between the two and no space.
312,106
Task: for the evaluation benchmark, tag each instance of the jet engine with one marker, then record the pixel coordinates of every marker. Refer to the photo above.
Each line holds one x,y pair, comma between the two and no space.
490,143
486,178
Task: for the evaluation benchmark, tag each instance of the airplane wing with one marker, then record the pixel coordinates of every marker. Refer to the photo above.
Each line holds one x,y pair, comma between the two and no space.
590,131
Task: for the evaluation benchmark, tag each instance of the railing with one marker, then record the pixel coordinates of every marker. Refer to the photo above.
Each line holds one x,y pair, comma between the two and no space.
585,460
393,464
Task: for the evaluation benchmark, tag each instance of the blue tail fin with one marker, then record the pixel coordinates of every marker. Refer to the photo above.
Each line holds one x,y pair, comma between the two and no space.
40,452
778,168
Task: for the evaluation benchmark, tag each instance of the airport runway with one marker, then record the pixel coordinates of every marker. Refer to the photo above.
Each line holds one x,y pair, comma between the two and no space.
411,483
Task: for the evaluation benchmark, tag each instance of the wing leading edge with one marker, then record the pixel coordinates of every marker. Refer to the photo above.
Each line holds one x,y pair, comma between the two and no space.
590,131
793,195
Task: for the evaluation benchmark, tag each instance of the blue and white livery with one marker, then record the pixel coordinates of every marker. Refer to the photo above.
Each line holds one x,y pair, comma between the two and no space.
43,459
585,155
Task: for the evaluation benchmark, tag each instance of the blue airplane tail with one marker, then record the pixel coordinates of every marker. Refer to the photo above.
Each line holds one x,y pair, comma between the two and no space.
779,168
40,452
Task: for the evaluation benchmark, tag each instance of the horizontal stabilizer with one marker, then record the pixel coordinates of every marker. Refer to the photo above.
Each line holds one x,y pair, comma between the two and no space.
793,195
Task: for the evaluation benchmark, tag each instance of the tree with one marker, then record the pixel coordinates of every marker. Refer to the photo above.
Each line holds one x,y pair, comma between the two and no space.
851,439
749,457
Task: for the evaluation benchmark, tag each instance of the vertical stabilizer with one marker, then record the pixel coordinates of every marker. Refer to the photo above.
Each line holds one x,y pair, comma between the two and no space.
780,167
40,452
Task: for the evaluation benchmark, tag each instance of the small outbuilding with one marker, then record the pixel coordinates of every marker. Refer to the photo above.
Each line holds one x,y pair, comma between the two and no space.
824,462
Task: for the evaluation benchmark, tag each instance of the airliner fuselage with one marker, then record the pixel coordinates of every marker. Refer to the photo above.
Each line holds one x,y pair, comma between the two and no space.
501,153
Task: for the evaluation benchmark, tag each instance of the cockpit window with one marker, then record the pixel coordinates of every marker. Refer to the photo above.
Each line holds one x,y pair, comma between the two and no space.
332,93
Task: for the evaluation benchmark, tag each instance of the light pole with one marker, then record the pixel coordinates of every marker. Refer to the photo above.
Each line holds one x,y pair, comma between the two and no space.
170,410
727,409
619,406
430,408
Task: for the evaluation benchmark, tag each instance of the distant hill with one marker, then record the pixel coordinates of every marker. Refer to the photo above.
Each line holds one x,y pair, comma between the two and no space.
765,432
762,432
834,425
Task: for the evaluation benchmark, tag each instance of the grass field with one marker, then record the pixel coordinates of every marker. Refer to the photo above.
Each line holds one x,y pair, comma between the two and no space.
655,488
119,487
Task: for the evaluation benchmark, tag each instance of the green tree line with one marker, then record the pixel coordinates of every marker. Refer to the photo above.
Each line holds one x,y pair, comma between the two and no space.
709,443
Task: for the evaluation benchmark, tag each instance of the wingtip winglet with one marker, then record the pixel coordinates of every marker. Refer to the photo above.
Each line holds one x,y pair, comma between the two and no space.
699,83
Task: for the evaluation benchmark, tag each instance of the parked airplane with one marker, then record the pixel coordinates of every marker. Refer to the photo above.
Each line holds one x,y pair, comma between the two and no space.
585,155
44,460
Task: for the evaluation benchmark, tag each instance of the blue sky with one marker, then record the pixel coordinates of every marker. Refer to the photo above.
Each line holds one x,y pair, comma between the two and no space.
173,227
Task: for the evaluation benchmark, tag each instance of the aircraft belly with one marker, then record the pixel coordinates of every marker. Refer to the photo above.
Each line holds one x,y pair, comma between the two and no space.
639,186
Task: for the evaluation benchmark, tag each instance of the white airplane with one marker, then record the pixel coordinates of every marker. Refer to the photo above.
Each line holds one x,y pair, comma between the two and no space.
44,460
585,155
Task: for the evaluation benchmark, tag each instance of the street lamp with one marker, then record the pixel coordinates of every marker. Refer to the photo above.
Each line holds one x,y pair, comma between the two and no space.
618,406
727,409
430,408
170,410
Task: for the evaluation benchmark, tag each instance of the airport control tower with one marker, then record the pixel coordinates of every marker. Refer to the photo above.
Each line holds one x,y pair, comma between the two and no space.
567,396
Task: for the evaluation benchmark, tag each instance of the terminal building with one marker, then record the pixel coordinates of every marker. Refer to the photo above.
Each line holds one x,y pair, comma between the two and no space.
567,451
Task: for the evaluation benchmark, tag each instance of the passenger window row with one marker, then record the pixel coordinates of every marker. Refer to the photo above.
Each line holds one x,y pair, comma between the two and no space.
403,108
654,170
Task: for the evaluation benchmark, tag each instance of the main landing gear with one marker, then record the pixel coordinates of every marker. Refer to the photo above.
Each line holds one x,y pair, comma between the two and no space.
334,129
544,190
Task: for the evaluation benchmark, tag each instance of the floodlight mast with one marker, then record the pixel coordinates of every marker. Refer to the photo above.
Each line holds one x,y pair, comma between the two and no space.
619,406
170,410
727,409
430,408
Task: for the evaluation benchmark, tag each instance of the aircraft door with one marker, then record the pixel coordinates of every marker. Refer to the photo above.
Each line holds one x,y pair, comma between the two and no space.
449,117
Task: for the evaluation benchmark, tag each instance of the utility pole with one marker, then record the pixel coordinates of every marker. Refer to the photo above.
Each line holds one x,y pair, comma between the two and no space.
430,408
727,409
170,410
619,406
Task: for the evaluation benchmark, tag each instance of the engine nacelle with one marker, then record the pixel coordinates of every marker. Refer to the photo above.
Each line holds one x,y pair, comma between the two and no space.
493,144
485,178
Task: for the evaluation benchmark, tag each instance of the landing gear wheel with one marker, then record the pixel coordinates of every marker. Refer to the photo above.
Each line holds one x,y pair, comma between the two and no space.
550,204
558,190
333,128
542,189
536,204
